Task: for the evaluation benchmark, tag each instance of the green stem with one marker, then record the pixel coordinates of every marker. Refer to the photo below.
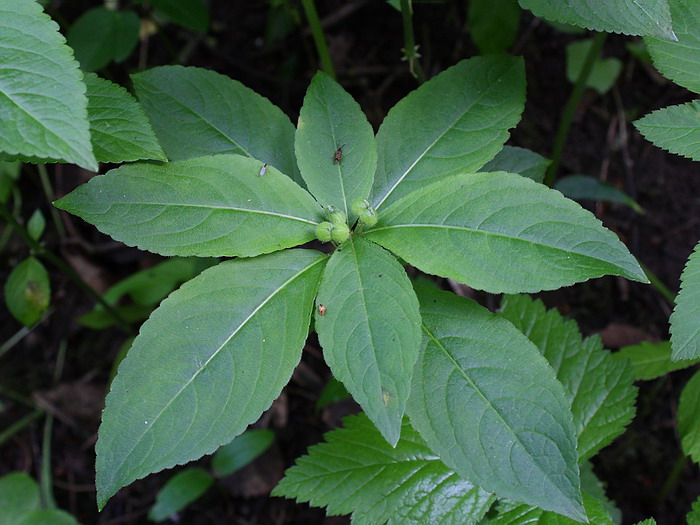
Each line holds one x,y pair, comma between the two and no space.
319,37
42,252
20,425
51,196
46,476
571,105
410,49
673,477
658,284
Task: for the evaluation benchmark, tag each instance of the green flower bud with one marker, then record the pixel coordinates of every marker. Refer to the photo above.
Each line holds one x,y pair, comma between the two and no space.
337,216
340,232
368,217
324,231
359,205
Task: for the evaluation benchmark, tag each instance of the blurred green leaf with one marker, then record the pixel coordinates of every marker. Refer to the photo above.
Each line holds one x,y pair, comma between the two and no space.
192,14
9,172
241,451
519,160
182,489
36,225
584,187
689,418
27,291
332,392
493,24
604,73
652,360
19,495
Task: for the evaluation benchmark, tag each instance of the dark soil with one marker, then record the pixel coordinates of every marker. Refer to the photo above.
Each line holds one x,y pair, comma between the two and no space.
64,368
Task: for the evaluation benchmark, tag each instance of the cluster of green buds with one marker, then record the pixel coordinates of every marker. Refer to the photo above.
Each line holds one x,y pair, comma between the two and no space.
335,229
365,213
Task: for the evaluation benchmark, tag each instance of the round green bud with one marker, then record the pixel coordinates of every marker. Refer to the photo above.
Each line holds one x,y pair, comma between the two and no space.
338,217
359,205
340,232
324,231
368,217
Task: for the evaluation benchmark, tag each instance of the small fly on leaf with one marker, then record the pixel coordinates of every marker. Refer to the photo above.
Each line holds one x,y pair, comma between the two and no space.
321,309
338,156
263,169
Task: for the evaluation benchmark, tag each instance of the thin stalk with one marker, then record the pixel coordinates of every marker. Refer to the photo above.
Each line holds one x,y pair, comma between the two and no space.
22,333
61,265
20,425
51,196
658,284
46,483
571,105
410,50
319,37
673,477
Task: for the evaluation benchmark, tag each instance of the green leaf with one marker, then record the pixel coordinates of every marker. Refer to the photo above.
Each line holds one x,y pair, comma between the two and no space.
631,17
604,73
489,405
193,14
648,521
370,331
454,123
332,392
513,514
357,471
331,121
680,61
241,451
689,418
235,330
28,291
652,360
208,206
493,24
102,35
19,495
36,225
591,485
583,187
42,96
598,386
47,517
501,233
118,126
693,517
685,319
519,160
182,489
196,112
675,129
9,173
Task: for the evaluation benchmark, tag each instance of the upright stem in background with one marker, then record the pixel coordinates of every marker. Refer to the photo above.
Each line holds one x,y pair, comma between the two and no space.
571,105
51,196
410,50
46,482
319,37
658,284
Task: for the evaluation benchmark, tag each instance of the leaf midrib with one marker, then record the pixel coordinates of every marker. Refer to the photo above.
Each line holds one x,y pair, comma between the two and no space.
216,353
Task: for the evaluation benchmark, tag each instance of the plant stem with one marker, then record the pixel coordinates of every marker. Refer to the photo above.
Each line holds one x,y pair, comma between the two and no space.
46,476
50,196
40,251
672,479
571,105
410,49
658,284
20,425
319,37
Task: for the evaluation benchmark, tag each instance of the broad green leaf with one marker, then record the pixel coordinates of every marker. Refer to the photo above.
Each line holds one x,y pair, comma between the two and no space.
193,14
493,24
332,392
693,517
501,232
454,123
103,35
356,470
207,206
47,517
519,160
36,225
680,61
182,489
512,514
216,353
370,331
118,126
592,486
28,291
689,418
241,451
598,386
19,495
652,360
631,17
583,187
487,402
685,319
196,112
603,74
43,108
331,123
675,129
